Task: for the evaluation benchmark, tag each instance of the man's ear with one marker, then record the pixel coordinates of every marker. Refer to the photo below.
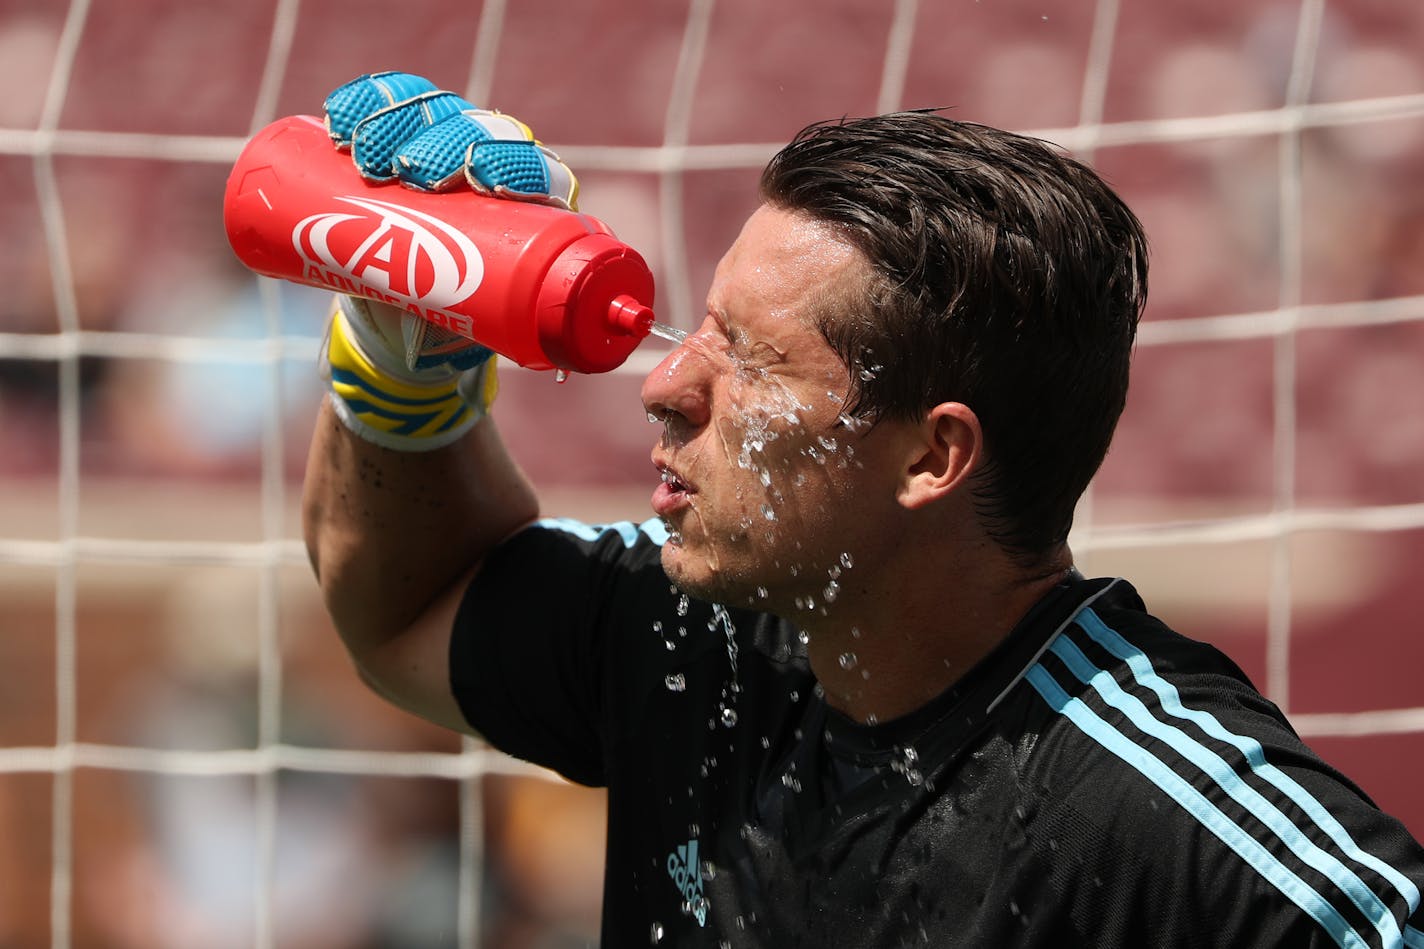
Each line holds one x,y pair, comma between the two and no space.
944,457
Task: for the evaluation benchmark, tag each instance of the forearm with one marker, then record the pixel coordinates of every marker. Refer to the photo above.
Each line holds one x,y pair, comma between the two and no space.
389,531
408,484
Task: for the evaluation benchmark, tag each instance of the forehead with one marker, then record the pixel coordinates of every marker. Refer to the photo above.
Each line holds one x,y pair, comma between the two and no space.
782,267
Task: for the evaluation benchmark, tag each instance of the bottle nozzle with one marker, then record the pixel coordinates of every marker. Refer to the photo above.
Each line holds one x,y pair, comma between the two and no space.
627,315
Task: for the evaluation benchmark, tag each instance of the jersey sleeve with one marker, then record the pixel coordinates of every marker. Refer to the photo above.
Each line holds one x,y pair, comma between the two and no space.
1195,814
530,651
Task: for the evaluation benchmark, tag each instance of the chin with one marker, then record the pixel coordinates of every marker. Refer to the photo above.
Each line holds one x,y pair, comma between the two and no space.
693,573
687,570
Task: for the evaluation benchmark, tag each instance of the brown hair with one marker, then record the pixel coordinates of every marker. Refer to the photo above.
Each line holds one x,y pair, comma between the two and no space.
1008,277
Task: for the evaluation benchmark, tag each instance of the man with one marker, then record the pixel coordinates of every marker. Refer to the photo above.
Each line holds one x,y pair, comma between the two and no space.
847,689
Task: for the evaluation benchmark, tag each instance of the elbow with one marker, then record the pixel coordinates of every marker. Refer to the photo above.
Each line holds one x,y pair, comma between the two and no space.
373,681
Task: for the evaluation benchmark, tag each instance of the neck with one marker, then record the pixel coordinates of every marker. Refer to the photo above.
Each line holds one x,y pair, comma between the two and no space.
883,656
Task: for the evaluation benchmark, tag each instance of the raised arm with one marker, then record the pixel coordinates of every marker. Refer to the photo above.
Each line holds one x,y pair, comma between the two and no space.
394,537
408,485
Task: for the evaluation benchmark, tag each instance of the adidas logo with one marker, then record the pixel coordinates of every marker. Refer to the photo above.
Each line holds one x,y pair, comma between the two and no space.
686,875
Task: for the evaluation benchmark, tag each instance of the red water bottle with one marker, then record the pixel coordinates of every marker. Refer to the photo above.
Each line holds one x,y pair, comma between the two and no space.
548,288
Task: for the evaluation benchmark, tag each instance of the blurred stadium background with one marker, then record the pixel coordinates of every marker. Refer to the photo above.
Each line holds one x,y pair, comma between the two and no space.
186,758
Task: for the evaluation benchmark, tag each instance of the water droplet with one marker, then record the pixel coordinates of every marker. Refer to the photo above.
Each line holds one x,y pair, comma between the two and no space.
675,682
729,716
848,660
846,560
657,933
804,637
855,632
832,590
761,593
768,512
653,419
829,444
561,375
658,626
682,604
908,764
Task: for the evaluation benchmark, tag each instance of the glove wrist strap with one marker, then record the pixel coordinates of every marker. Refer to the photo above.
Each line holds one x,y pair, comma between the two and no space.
401,414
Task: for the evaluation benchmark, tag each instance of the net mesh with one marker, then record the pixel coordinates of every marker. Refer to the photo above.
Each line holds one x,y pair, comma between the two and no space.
185,756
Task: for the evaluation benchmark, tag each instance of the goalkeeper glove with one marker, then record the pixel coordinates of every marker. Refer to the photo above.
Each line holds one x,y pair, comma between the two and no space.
397,380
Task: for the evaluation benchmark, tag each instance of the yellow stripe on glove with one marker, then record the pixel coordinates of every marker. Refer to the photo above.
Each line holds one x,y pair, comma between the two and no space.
400,414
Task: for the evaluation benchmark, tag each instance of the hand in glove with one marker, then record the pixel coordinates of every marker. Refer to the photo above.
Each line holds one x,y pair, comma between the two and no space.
397,380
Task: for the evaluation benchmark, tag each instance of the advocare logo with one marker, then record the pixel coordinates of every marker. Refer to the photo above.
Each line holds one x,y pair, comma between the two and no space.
392,253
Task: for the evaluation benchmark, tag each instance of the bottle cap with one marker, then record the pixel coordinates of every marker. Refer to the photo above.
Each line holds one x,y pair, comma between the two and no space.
594,305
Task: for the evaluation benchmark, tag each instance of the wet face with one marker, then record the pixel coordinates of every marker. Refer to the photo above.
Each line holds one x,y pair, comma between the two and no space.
773,496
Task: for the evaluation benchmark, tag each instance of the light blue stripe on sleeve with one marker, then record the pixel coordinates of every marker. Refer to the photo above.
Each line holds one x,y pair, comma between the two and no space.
1413,938
1195,803
1146,675
653,528
1226,778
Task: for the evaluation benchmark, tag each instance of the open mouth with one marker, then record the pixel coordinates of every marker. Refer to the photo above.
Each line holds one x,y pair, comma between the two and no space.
673,482
672,493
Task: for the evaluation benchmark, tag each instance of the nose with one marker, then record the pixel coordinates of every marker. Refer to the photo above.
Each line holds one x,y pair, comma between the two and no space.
679,387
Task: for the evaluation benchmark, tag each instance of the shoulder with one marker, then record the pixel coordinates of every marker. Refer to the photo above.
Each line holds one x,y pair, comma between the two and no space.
616,541
558,566
1167,773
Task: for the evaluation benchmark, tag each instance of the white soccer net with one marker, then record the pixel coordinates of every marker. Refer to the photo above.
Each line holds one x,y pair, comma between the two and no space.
185,756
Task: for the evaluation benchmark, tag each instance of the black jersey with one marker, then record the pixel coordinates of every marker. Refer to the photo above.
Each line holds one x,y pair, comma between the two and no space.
1097,780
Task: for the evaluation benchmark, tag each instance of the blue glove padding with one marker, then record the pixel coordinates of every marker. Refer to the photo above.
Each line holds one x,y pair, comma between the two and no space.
399,126
361,97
